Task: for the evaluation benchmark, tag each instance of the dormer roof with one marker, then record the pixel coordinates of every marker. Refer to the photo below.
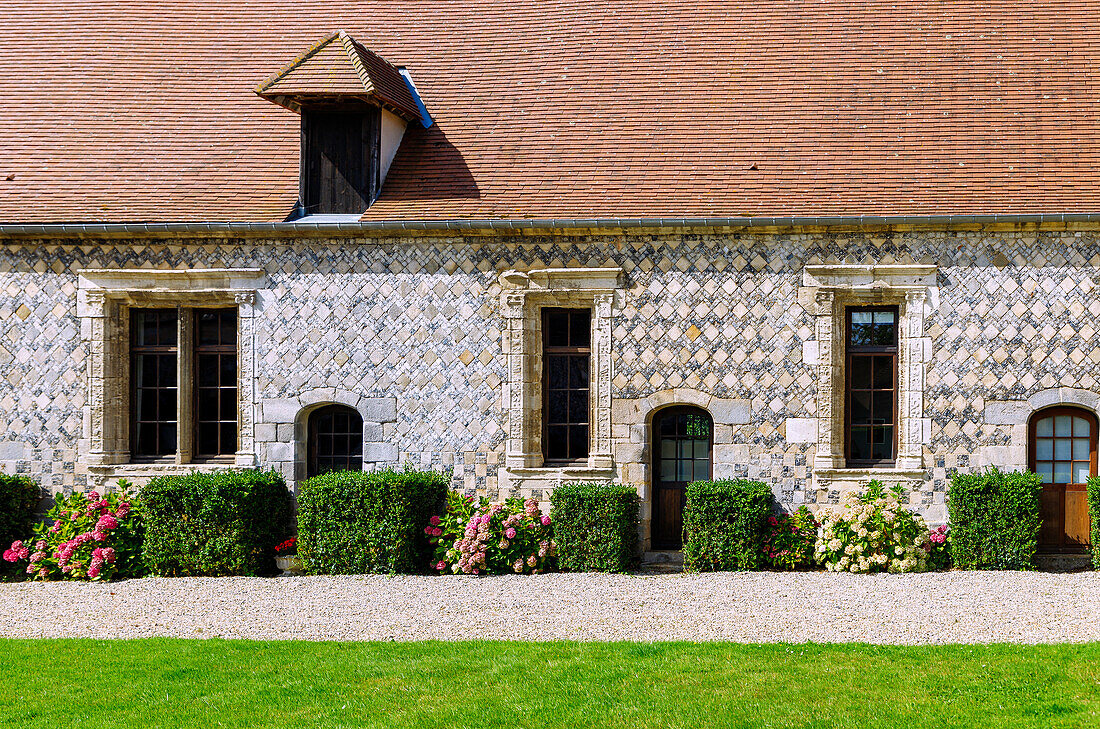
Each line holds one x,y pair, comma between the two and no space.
340,69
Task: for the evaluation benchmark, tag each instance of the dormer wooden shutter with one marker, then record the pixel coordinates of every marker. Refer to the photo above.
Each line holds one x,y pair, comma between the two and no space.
340,160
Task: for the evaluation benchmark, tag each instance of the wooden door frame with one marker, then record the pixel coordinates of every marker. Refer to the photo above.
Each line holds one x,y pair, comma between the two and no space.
655,458
1049,412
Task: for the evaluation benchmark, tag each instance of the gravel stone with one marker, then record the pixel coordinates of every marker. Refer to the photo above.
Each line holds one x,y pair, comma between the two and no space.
952,607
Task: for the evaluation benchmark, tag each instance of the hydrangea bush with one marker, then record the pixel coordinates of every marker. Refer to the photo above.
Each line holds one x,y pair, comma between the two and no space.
85,537
872,532
476,537
790,540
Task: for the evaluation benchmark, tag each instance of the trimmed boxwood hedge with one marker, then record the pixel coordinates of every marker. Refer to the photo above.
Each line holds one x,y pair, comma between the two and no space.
724,524
994,519
215,524
1094,519
355,522
19,499
595,526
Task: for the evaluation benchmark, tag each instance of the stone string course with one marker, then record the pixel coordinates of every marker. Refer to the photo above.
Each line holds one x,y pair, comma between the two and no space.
410,333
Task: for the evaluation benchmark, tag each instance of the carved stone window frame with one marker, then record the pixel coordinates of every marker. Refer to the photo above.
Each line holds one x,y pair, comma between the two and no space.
104,300
829,290
524,296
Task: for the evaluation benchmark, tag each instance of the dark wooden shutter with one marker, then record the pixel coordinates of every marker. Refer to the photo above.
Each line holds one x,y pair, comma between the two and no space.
340,160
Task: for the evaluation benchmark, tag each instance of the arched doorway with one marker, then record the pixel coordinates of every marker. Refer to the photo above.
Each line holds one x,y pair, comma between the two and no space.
334,440
683,440
1062,450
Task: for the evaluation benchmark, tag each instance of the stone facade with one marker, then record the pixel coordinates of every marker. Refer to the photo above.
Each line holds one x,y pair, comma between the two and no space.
433,340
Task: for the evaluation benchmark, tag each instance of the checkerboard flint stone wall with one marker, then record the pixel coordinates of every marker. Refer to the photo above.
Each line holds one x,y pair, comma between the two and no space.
410,330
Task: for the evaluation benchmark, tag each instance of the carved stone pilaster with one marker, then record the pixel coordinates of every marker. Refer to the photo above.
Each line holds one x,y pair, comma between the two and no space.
830,443
602,455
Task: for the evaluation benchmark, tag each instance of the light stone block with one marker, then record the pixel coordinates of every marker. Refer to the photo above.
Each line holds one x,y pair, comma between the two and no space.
13,450
801,430
281,410
731,412
1006,412
379,409
810,351
379,452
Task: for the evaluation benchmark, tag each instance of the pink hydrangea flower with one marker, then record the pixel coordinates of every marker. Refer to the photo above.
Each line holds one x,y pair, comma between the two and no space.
437,532
546,520
40,545
106,523
434,521
510,533
93,572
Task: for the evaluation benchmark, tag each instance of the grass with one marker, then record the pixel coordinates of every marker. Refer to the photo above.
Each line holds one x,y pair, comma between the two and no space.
213,683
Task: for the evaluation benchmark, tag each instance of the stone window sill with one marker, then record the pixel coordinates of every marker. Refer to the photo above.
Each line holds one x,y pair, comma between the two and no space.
152,469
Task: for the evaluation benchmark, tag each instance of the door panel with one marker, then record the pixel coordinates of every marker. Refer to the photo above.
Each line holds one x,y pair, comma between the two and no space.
1077,518
1062,450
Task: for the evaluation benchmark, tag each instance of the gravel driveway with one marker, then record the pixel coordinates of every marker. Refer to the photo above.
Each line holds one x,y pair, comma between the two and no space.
953,607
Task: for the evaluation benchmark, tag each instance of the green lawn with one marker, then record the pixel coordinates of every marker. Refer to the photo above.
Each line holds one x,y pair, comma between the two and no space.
212,683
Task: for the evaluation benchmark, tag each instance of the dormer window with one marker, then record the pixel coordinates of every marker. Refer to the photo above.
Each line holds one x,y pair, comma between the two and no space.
340,160
354,107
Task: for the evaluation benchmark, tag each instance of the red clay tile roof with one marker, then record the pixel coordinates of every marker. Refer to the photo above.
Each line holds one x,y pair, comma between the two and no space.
339,66
564,108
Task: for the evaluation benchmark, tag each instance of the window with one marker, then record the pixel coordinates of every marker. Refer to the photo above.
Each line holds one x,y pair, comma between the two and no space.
872,392
335,440
340,160
215,382
153,379
566,358
166,423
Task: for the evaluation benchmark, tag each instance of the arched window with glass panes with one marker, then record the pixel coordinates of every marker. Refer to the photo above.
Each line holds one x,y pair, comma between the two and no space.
335,440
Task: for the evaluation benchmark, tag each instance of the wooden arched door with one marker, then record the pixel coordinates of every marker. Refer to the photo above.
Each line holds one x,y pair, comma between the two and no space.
1062,450
683,440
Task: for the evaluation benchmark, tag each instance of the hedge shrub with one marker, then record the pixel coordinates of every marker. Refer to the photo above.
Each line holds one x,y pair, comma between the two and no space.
595,526
1094,519
19,498
215,524
724,525
355,522
994,519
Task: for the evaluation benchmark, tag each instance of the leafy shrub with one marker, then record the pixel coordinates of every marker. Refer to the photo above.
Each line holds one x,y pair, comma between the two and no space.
595,526
19,498
994,519
790,539
355,522
1094,518
85,537
215,524
873,532
476,537
724,525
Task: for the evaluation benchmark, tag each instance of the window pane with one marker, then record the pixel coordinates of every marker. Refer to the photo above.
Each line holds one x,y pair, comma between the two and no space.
1044,449
697,426
884,334
883,407
668,449
557,406
683,471
557,328
884,442
229,438
578,371
208,438
207,322
884,317
1061,449
668,469
701,449
861,373
1062,425
557,372
228,366
166,370
883,373
579,328
228,404
861,407
1061,472
1080,472
207,368
861,331
1080,427
228,328
578,441
702,470
1046,470
166,405
208,404
556,440
861,444
1045,427
578,406
1080,449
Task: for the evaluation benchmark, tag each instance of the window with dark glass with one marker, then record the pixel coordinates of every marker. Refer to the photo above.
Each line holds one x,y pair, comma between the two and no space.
154,355
872,392
335,440
566,356
215,382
